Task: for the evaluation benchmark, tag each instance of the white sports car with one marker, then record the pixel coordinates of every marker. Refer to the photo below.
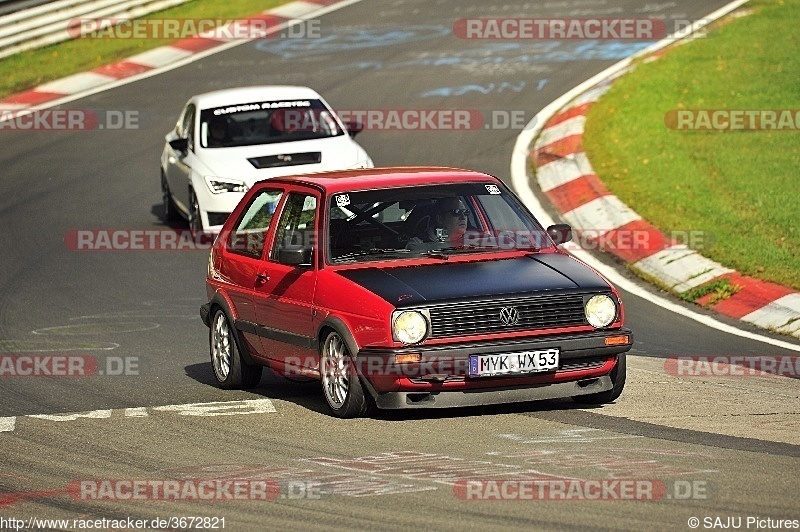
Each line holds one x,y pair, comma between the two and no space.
225,141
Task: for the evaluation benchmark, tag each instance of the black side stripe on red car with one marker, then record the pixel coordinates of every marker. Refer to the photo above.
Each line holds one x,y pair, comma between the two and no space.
276,334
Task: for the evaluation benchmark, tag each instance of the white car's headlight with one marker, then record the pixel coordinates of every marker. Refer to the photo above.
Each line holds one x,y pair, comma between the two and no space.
409,326
600,311
218,185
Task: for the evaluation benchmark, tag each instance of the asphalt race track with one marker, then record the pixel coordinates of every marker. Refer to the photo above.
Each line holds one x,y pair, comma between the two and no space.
671,448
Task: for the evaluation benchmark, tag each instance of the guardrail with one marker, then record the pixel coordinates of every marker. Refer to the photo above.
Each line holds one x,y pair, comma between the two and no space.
47,24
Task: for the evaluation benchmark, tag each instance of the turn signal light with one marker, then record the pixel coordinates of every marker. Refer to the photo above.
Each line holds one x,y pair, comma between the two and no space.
617,340
405,359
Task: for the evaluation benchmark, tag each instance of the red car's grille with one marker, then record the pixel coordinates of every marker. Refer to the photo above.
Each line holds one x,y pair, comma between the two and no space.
510,314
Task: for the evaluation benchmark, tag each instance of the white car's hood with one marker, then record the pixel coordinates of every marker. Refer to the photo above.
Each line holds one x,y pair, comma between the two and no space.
299,157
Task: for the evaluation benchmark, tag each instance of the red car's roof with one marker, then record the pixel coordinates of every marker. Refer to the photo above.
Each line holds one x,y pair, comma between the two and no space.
350,180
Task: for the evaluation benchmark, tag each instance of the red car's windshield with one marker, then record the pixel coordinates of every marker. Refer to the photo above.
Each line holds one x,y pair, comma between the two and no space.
428,220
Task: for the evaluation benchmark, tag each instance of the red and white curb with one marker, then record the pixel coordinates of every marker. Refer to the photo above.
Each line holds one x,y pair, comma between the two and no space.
163,58
565,176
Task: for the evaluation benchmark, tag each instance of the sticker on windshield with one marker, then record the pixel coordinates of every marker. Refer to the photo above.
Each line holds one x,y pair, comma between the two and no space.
342,200
243,108
310,203
493,189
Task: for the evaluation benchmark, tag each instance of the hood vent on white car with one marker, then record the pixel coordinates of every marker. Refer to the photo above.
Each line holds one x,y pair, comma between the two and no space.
287,159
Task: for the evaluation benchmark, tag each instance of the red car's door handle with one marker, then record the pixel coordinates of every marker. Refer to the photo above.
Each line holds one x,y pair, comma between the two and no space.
262,278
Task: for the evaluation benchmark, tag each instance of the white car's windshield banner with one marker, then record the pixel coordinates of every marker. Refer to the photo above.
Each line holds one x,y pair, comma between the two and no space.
258,106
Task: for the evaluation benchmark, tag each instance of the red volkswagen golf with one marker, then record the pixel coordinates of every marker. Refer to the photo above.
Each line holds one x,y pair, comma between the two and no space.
408,288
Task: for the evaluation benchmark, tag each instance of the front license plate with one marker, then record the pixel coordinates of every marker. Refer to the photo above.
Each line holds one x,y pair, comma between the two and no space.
513,363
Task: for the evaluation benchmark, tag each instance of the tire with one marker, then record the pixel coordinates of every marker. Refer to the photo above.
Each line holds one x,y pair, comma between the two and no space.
230,370
195,222
617,377
170,210
340,383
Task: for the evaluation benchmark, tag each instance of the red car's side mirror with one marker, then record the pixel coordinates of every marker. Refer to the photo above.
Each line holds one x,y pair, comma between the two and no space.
560,233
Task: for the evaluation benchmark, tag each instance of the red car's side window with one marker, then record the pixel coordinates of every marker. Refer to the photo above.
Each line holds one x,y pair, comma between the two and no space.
296,228
249,234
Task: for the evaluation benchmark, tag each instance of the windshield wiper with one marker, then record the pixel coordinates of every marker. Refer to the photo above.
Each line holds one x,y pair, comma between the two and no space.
369,252
444,253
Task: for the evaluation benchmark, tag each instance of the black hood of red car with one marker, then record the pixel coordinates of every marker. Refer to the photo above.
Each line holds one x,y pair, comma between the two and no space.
411,285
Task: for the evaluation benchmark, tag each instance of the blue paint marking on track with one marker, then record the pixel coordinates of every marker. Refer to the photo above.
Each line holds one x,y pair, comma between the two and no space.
490,88
351,39
518,54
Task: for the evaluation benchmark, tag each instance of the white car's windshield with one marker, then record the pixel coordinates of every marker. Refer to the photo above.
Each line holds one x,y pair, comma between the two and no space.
266,123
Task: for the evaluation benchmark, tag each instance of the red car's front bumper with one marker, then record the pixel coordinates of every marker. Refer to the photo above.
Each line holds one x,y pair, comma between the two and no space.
441,377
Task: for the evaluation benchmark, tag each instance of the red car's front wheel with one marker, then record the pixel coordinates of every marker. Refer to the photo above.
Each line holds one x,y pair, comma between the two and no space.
230,370
340,383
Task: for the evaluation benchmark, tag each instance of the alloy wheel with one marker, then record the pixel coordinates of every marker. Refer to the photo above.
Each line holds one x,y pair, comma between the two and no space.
335,370
221,347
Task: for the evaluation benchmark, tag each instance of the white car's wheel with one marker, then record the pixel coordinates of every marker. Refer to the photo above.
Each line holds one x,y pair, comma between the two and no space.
170,211
195,222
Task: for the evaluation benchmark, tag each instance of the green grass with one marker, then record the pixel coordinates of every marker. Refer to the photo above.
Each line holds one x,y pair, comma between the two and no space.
29,69
742,187
719,289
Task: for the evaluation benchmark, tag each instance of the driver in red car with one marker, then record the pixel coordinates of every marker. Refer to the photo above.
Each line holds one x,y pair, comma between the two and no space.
450,217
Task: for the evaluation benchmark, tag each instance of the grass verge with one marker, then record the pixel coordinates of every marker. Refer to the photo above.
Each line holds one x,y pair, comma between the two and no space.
740,187
26,70
719,289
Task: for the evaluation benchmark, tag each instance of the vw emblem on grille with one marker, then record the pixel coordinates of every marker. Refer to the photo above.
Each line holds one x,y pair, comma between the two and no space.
509,315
